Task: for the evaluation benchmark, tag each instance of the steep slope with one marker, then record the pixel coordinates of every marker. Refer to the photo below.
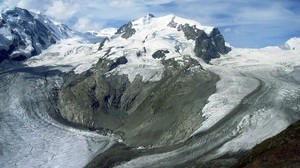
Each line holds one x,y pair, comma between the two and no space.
148,85
24,34
281,151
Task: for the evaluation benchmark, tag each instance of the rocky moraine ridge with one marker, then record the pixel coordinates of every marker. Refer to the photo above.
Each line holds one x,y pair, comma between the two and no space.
159,105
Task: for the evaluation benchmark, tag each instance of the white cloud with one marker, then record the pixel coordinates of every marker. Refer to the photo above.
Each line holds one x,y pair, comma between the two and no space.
227,30
62,10
85,23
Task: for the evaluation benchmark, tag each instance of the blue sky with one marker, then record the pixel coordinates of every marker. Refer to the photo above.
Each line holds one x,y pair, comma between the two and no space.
244,23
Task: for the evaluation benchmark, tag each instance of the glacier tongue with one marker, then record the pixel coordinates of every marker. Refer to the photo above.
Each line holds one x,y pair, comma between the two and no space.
29,136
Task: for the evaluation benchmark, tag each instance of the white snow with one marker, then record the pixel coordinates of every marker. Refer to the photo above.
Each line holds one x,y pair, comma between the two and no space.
231,89
69,54
162,22
6,38
152,34
293,44
107,32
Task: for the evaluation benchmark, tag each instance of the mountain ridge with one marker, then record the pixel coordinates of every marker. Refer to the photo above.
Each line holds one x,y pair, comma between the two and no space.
25,34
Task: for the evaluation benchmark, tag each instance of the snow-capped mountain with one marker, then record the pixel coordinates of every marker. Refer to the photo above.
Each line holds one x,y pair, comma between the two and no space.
147,41
24,34
152,83
137,61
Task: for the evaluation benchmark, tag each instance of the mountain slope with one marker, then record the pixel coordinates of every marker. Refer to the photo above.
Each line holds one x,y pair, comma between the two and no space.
281,151
24,34
148,81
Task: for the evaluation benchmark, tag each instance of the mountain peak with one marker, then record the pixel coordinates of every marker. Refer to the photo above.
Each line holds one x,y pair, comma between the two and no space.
149,42
26,34
170,20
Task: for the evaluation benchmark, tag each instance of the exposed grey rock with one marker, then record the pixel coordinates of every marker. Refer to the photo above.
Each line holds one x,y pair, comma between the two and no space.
102,43
207,47
173,24
119,61
126,30
144,113
160,54
219,41
151,15
190,32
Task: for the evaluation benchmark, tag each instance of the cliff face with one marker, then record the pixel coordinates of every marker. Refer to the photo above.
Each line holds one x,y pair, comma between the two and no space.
207,46
143,113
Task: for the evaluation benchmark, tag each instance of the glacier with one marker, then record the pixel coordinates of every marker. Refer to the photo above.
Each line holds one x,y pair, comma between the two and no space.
257,97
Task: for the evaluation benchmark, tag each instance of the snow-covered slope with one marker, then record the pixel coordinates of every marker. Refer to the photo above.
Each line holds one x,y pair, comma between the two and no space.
149,40
244,70
66,55
107,32
24,34
154,39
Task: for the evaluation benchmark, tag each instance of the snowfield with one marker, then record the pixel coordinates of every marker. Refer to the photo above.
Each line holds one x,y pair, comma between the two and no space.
67,55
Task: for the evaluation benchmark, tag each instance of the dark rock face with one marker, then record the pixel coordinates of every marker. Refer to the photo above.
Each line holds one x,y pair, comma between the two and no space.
173,24
143,113
160,54
126,30
207,47
119,61
102,43
31,33
190,32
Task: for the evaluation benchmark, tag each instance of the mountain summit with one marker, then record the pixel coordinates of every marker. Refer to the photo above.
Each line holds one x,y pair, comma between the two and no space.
147,75
174,33
24,34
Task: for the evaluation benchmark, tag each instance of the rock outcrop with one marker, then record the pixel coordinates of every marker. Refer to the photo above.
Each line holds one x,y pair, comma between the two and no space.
143,113
126,30
207,47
